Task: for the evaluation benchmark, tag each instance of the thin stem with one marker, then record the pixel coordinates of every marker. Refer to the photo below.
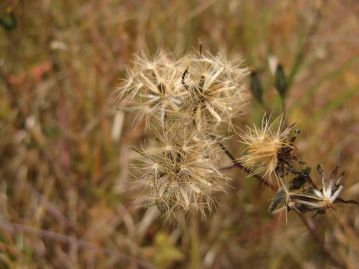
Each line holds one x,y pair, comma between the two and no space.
195,244
311,182
341,200
305,45
284,109
238,164
326,253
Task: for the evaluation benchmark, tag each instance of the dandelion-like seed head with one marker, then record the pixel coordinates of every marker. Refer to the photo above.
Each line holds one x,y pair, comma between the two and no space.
152,87
266,147
178,170
215,86
203,88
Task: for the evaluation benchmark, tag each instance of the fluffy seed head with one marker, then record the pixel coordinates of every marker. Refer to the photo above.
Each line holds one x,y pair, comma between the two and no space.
178,171
215,87
265,145
203,88
152,87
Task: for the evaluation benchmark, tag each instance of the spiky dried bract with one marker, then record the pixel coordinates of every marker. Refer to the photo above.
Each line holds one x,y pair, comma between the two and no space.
216,89
179,171
314,199
266,147
152,87
306,196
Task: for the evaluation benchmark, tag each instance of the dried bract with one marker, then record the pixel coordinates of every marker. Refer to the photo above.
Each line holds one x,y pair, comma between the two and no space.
308,197
314,199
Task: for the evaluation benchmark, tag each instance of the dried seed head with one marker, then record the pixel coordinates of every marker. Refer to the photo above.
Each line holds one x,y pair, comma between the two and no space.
266,147
152,87
179,172
203,88
215,87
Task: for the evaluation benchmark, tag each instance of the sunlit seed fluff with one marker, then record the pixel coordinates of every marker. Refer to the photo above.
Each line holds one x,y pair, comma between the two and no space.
215,86
264,145
152,87
179,172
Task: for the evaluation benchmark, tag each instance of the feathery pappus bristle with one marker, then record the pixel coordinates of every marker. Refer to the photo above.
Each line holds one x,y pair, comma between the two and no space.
152,87
215,86
178,171
204,89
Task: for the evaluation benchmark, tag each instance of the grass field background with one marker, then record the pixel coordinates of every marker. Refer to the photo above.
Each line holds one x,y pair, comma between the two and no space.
64,191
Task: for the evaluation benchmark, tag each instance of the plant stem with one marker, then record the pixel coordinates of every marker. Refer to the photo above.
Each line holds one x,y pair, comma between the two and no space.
238,164
326,253
305,45
195,245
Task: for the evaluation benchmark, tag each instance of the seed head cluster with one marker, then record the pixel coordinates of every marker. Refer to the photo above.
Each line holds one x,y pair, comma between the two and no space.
185,102
201,88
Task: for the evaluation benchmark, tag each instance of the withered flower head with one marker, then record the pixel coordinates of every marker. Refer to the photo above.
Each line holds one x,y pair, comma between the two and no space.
215,87
267,147
179,172
315,199
306,196
152,87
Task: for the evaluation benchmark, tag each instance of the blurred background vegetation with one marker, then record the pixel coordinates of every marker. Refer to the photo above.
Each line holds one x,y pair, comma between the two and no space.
64,196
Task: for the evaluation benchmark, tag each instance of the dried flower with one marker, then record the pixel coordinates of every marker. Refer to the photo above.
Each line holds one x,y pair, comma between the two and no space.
307,197
179,169
321,199
215,87
267,147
